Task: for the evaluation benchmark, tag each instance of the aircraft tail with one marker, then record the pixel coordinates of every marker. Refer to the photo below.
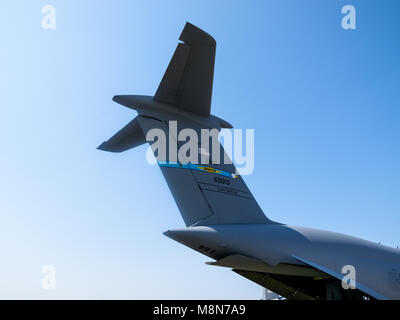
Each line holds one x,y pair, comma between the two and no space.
206,194
188,81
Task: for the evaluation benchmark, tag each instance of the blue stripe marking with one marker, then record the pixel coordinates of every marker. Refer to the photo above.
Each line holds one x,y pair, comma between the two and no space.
194,167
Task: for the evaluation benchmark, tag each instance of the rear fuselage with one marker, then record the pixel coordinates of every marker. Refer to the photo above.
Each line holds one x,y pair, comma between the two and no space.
376,266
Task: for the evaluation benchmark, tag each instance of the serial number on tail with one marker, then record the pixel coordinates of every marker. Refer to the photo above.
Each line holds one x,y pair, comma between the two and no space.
221,181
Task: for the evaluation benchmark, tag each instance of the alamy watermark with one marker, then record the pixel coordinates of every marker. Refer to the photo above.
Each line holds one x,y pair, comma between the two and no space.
349,280
49,18
49,278
349,20
189,146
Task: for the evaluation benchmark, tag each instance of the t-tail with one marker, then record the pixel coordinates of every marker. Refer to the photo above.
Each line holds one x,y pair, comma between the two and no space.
206,194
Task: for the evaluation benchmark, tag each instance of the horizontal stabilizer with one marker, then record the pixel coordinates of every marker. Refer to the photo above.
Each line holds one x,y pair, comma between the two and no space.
127,138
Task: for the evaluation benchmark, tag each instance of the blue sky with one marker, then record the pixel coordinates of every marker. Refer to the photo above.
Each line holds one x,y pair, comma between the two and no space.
323,101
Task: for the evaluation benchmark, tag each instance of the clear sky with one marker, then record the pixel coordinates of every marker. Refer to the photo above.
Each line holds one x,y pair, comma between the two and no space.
323,101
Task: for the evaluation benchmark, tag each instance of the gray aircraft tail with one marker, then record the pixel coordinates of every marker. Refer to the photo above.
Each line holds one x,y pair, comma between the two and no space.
206,194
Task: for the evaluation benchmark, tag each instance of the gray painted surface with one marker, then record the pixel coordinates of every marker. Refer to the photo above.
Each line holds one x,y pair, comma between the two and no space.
225,222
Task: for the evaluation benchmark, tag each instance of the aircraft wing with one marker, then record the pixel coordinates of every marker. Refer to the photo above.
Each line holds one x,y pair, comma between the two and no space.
311,281
339,276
